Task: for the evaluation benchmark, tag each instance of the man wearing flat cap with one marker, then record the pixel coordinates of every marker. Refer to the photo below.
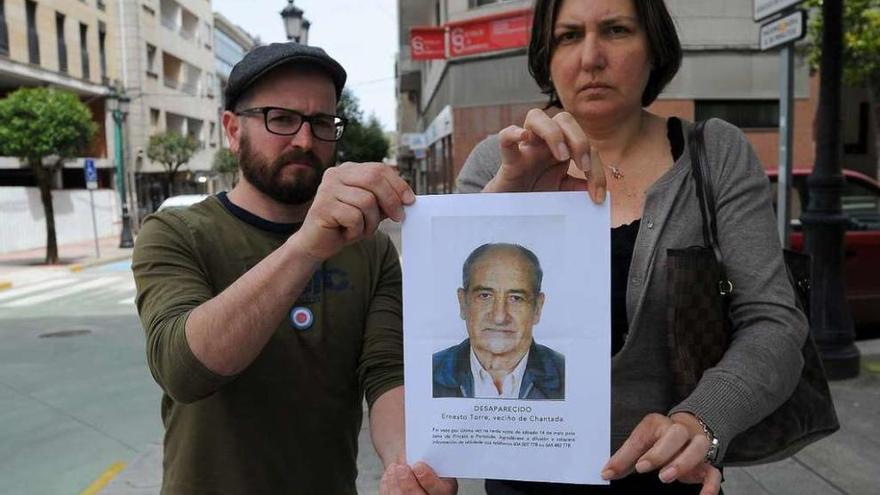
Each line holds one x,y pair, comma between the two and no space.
271,311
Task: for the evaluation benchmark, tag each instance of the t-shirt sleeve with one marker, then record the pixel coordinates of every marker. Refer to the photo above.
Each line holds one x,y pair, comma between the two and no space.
480,166
171,282
381,365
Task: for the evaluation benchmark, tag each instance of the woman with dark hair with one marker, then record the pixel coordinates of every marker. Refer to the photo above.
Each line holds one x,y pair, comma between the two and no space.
601,62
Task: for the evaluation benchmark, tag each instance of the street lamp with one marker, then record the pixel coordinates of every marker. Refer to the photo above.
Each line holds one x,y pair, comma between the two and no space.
118,104
296,26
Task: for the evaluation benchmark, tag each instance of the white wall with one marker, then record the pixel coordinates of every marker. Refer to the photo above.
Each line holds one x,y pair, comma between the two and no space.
23,225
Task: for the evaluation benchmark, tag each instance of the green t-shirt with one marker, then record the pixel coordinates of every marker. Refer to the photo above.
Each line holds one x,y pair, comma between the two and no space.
289,422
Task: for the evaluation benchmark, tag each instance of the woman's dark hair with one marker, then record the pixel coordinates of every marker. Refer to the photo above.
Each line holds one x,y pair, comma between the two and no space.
663,45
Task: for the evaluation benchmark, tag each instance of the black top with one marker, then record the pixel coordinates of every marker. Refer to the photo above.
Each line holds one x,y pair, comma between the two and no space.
623,242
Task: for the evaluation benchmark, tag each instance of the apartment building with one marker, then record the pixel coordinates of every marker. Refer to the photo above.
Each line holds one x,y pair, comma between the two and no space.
447,105
65,44
231,43
168,71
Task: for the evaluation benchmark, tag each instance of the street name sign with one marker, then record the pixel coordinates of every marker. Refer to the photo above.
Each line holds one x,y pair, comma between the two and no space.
765,8
784,30
91,174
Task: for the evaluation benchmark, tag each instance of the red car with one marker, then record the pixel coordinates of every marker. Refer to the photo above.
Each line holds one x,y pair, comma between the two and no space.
861,202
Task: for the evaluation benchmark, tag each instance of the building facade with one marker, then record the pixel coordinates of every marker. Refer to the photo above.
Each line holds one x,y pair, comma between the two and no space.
231,43
69,45
449,105
167,67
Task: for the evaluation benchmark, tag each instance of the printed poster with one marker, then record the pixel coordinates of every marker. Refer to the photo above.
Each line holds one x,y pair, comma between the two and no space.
507,336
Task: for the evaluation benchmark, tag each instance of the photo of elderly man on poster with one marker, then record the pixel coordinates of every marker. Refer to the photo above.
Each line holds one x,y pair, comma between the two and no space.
500,301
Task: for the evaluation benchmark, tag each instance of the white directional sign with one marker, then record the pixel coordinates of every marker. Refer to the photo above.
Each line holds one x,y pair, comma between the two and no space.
766,8
784,30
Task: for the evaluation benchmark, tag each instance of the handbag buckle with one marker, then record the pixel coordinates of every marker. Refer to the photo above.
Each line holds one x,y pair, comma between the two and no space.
725,287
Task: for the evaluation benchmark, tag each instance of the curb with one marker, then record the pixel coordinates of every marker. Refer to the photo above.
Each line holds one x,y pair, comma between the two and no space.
5,285
78,267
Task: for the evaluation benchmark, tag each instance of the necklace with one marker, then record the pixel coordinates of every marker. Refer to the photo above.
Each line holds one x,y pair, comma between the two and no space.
616,173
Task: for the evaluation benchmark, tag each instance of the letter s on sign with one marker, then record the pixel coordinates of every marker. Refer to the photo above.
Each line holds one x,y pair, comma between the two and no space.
418,45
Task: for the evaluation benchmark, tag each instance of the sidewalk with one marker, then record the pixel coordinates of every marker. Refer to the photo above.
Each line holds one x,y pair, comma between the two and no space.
23,267
842,464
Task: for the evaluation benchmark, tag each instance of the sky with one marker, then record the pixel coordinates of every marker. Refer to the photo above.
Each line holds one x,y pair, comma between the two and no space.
360,34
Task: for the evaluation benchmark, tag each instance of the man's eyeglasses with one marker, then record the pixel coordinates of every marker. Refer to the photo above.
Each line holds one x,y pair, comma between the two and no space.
286,122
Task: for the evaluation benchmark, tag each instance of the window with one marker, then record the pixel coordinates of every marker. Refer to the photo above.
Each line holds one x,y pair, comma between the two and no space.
212,136
154,120
861,205
102,50
33,39
62,43
101,5
479,3
745,114
151,61
4,34
84,50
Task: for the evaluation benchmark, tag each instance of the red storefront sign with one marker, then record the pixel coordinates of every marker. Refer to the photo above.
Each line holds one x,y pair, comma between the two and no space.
427,43
489,34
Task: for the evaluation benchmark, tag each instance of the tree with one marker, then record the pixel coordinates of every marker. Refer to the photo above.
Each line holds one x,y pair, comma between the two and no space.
44,127
226,164
861,41
362,142
173,151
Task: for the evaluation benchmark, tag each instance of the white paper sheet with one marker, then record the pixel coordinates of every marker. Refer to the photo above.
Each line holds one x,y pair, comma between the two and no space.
563,436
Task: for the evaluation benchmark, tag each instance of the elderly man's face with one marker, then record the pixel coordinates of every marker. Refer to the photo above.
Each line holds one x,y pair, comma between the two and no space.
501,305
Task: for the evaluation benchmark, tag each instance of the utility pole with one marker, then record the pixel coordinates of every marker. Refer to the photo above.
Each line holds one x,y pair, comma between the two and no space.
824,221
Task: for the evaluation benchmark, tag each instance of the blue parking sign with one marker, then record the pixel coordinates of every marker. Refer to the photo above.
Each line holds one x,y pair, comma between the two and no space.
91,174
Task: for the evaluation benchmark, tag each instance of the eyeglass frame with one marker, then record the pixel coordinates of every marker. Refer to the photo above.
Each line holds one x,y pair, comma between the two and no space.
256,111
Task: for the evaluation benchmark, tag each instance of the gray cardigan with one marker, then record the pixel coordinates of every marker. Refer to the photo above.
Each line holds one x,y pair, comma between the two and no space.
763,364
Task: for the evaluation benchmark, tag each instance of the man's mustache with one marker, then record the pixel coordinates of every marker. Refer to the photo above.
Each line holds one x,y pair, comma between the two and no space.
299,156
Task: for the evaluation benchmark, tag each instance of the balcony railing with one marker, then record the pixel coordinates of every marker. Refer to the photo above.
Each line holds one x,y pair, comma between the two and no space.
190,88
171,83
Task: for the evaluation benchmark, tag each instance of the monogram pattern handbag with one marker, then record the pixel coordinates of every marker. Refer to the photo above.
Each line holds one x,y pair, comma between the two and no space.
699,332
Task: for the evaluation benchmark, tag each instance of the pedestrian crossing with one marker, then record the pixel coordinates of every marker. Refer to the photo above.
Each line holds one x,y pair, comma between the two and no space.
114,289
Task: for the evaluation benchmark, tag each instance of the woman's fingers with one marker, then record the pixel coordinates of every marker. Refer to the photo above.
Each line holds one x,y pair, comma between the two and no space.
596,172
689,460
639,441
548,131
712,481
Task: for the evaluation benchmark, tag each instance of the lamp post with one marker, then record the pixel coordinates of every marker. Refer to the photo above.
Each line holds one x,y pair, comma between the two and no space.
824,221
296,26
118,103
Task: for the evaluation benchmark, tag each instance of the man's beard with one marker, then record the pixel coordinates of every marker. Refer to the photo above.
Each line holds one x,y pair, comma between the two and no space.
266,177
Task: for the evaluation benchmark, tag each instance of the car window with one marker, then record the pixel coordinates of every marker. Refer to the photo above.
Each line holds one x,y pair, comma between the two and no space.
862,205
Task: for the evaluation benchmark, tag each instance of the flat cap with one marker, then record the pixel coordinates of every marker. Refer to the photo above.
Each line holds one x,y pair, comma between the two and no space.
263,59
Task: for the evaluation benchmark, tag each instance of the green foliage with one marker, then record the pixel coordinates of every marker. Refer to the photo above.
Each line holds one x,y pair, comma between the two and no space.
362,141
171,150
41,122
861,40
225,162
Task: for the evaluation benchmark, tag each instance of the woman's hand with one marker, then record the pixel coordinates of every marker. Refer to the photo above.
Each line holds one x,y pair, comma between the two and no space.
536,157
675,445
399,479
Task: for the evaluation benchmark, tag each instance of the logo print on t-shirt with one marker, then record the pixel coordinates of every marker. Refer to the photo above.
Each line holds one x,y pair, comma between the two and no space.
301,318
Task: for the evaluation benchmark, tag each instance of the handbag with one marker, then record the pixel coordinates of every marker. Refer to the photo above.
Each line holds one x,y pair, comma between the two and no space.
699,331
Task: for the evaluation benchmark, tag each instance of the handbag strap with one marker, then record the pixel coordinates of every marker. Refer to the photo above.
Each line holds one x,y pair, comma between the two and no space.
706,198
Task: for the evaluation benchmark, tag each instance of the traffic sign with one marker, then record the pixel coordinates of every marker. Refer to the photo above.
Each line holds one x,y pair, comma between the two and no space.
784,30
91,174
765,8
